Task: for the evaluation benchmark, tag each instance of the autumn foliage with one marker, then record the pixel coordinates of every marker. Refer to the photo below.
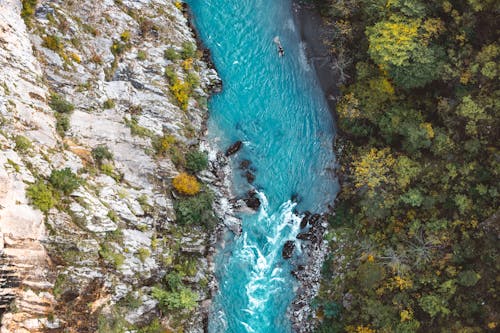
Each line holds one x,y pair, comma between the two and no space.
186,184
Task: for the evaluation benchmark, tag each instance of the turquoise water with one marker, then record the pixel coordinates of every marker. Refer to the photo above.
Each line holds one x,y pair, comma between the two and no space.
276,107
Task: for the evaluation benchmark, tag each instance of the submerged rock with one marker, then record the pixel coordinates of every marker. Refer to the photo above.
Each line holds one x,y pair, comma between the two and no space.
245,164
288,249
250,177
234,148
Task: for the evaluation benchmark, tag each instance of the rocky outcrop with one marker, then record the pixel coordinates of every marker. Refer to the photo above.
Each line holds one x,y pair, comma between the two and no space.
308,271
106,243
288,249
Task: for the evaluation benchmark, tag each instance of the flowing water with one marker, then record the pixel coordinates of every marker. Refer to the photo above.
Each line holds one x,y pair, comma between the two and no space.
276,107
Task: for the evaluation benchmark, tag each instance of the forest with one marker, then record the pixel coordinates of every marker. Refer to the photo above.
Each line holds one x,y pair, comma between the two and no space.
414,239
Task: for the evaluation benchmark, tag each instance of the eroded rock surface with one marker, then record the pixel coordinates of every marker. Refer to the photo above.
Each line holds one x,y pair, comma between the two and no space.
101,249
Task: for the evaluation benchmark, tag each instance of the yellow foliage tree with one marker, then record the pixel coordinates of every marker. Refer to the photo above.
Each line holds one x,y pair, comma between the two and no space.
373,168
186,184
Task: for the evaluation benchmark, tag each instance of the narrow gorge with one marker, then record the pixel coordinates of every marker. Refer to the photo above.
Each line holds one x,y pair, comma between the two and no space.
143,191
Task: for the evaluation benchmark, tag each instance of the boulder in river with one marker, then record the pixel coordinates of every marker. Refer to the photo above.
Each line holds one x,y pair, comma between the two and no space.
305,219
252,201
288,249
234,148
315,220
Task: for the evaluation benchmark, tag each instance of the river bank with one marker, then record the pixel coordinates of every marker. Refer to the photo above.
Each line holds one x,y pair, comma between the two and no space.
313,32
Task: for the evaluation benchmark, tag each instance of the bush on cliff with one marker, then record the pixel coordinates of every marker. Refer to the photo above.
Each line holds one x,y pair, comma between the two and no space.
60,104
196,210
179,299
196,160
23,144
101,153
41,196
64,180
186,184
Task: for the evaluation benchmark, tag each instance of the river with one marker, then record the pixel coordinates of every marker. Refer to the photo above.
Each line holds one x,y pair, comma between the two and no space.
277,108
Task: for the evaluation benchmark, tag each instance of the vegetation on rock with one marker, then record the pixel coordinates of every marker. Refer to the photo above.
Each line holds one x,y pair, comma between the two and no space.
196,161
186,184
196,210
41,196
64,180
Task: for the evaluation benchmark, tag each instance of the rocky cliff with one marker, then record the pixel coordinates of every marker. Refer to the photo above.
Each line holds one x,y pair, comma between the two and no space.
99,101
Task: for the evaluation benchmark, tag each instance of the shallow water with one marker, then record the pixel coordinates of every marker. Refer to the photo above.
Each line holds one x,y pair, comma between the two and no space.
276,107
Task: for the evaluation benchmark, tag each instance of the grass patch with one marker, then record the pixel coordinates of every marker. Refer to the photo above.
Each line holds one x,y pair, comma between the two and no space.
136,129
23,144
108,104
108,255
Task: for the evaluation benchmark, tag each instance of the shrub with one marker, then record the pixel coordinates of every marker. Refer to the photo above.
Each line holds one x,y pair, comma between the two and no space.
143,254
75,57
22,143
137,129
186,184
141,55
146,27
170,74
177,157
181,91
108,104
64,180
193,79
153,327
108,169
116,259
118,48
196,161
195,210
171,54
125,36
52,43
60,104
188,50
28,10
62,123
162,144
183,298
101,153
41,196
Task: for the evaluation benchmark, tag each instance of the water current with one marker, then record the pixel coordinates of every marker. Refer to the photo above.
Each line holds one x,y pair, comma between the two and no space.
277,108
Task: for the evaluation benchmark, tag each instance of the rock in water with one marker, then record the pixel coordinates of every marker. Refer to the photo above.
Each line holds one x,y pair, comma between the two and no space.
305,219
234,148
250,177
288,249
245,164
252,201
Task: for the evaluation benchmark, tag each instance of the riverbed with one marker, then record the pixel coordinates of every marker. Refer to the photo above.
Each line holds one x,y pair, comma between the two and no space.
276,107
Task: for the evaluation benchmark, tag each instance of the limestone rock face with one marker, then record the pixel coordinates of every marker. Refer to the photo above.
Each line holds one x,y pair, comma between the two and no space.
99,250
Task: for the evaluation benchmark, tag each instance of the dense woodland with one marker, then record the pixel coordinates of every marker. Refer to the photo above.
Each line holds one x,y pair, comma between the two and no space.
414,242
